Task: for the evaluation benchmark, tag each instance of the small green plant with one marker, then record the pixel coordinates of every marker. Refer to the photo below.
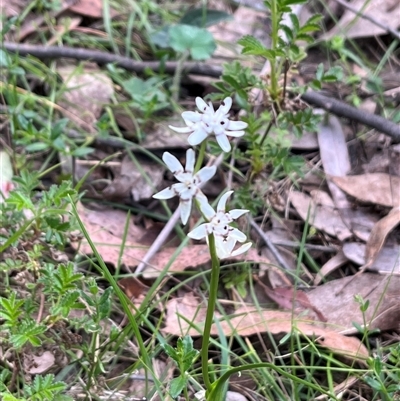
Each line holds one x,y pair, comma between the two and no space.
184,355
43,388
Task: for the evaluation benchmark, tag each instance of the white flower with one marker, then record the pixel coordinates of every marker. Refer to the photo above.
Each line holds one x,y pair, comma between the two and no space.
225,235
189,184
211,122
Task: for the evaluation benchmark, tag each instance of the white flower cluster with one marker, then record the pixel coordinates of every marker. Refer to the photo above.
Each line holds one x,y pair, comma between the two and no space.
200,126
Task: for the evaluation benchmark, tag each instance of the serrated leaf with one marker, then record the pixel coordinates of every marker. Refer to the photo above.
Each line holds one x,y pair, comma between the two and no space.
177,385
309,28
171,352
198,41
293,2
288,31
252,46
295,21
315,19
204,18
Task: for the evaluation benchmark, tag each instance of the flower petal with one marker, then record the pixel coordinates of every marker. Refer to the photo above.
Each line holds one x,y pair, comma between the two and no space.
223,142
181,130
166,193
192,116
203,106
242,249
172,163
225,105
197,136
186,208
222,202
236,125
237,235
236,134
236,213
199,232
190,160
206,209
205,173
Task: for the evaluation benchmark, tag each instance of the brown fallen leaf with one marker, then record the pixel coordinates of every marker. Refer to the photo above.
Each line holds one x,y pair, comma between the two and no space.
286,296
106,230
334,156
330,266
86,92
38,364
185,316
131,286
140,179
386,262
382,292
352,26
378,235
90,8
378,188
320,214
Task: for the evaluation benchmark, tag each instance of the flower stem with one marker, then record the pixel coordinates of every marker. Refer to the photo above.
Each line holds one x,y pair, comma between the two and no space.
200,157
212,298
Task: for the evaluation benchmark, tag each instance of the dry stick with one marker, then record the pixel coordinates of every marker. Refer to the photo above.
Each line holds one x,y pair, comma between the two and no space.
162,237
334,106
270,245
394,33
344,110
100,57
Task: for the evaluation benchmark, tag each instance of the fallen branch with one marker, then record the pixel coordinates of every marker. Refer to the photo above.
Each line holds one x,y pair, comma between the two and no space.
330,104
342,109
101,57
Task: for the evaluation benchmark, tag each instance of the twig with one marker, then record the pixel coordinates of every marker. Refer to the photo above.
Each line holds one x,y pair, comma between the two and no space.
344,110
367,17
270,245
100,57
333,105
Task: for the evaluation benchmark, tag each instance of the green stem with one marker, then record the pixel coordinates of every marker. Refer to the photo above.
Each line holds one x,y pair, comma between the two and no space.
212,298
274,39
200,157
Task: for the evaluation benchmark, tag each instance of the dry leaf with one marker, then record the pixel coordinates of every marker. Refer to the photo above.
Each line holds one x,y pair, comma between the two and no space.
330,266
90,8
193,256
379,188
38,364
352,26
382,292
386,262
86,92
185,316
286,296
12,8
320,213
131,286
379,233
106,230
140,181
